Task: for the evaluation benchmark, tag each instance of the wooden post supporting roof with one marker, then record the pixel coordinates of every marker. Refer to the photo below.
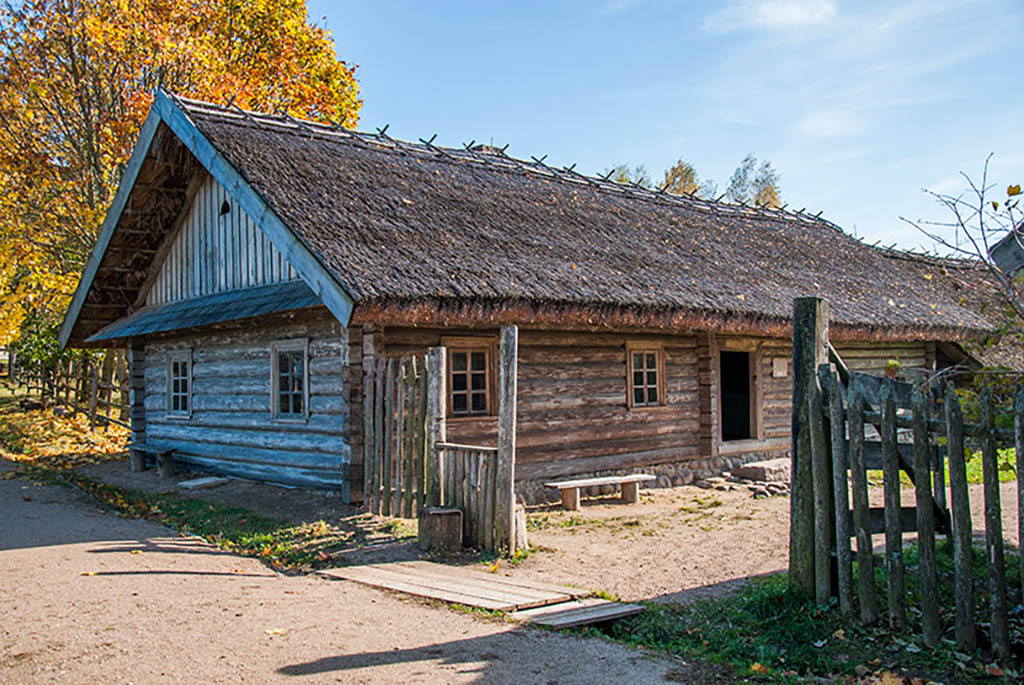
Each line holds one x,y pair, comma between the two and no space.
137,393
504,520
810,349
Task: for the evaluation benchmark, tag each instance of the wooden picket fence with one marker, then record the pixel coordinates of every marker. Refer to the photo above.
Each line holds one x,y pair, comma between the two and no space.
396,464
77,385
470,483
839,406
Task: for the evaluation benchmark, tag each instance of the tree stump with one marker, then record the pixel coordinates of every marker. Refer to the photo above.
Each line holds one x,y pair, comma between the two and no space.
440,529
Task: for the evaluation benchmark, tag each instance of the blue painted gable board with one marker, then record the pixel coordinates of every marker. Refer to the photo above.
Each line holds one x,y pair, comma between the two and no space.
165,109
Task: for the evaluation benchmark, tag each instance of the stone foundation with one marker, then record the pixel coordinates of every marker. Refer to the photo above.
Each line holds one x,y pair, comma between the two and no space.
534,492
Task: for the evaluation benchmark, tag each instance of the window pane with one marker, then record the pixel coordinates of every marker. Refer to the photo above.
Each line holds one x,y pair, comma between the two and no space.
459,381
652,395
479,361
638,395
459,404
297,403
651,360
638,378
479,381
458,361
652,378
479,402
184,385
283,403
296,361
638,360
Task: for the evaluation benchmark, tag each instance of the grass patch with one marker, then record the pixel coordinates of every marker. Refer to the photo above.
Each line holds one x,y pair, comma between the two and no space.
766,631
47,448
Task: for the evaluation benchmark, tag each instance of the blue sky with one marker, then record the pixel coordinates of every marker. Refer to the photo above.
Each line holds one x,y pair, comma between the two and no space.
858,105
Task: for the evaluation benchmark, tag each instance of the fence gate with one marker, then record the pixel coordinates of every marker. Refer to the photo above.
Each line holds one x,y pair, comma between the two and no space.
408,463
831,409
396,439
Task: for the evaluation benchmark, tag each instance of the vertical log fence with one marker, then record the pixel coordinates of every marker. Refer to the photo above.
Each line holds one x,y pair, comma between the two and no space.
831,456
80,386
408,463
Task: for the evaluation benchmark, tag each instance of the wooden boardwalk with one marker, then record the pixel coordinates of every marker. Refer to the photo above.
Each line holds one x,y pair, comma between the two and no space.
527,600
458,585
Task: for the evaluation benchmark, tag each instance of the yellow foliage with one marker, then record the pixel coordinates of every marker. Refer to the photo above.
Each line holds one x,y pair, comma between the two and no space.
76,83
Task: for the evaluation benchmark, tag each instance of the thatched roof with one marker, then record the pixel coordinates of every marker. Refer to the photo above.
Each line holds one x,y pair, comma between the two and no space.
423,234
419,227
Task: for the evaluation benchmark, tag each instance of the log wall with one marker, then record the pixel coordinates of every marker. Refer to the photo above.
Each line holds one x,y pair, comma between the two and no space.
572,413
230,430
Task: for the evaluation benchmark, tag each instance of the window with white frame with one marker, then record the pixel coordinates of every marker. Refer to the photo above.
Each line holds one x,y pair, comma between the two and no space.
179,383
290,379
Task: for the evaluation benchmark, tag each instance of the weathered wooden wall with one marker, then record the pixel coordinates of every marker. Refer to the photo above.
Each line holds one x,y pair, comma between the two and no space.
230,430
213,253
572,408
573,416
777,392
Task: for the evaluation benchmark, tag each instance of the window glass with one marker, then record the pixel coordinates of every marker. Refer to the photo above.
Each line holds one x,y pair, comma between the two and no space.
469,382
645,381
179,396
290,383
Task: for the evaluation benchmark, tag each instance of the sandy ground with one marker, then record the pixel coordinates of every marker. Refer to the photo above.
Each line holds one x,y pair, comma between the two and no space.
683,543
675,545
91,597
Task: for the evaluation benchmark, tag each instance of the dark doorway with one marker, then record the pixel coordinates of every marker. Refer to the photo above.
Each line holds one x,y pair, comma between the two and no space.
734,370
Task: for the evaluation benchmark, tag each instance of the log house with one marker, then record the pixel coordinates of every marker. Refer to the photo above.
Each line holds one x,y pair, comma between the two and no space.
250,261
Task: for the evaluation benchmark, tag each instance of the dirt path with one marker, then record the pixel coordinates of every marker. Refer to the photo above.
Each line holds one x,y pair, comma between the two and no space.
678,544
90,597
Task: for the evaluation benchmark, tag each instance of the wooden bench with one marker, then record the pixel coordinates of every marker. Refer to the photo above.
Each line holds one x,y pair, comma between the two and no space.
164,458
571,488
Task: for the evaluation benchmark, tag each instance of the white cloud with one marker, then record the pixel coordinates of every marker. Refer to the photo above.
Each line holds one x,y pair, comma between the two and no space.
775,15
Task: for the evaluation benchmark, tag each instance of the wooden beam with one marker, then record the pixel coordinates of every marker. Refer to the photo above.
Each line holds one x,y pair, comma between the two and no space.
124,190
810,339
504,491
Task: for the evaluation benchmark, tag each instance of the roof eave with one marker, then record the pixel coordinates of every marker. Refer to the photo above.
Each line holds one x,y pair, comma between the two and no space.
166,109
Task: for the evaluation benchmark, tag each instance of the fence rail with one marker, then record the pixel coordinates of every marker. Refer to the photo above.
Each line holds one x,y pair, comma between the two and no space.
87,387
831,414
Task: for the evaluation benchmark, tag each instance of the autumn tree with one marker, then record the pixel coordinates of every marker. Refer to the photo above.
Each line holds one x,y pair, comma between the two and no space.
76,82
681,179
754,183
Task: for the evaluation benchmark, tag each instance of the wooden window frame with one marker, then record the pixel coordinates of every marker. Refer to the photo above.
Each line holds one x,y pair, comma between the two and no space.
489,346
658,349
173,357
291,345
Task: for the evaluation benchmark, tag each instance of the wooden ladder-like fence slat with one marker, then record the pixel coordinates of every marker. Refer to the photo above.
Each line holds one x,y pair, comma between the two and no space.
840,489
861,515
963,551
893,525
925,524
1000,636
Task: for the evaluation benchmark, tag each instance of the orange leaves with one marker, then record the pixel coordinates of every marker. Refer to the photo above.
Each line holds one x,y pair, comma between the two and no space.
76,86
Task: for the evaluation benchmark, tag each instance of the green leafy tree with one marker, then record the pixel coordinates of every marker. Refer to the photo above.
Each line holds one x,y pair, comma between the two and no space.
755,183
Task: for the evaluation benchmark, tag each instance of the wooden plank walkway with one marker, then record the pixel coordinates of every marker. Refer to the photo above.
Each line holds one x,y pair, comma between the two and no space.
458,585
580,612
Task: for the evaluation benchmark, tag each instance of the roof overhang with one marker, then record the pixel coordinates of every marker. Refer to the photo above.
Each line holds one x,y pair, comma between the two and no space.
167,111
